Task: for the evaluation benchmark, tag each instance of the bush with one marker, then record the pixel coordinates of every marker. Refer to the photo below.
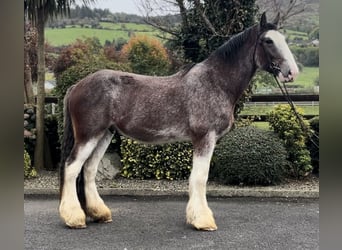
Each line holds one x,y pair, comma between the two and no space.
249,156
86,50
168,161
29,171
146,55
313,144
284,122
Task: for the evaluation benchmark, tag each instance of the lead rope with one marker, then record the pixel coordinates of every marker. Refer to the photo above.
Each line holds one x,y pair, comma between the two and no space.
293,108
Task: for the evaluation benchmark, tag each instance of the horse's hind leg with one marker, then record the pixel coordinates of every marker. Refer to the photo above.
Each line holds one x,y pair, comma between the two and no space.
95,207
198,213
70,208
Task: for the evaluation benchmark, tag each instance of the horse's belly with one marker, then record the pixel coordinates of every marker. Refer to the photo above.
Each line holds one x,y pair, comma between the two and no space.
154,135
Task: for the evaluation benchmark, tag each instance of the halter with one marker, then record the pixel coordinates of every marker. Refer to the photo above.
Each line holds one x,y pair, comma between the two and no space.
273,67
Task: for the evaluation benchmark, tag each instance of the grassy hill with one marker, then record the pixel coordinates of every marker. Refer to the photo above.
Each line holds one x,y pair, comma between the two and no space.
108,31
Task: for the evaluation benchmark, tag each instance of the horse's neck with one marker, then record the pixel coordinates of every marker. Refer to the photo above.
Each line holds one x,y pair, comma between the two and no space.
235,75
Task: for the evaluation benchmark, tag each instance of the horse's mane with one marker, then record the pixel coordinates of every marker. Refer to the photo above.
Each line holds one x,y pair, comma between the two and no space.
229,49
186,68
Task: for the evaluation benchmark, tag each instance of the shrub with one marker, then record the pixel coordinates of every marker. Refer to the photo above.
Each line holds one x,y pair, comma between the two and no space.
313,144
81,51
146,55
168,161
249,156
29,171
284,122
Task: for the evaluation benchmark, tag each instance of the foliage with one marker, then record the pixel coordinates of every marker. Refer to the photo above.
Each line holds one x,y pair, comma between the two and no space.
196,38
168,161
80,51
249,156
29,171
146,55
308,56
313,144
284,122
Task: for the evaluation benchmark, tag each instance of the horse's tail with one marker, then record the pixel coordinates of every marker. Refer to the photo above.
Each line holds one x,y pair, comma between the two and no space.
67,145
67,140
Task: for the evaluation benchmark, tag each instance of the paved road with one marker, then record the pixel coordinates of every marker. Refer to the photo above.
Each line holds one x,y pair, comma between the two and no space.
159,223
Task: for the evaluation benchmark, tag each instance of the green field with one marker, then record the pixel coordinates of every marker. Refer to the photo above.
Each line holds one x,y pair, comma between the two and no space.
307,77
291,34
264,109
110,31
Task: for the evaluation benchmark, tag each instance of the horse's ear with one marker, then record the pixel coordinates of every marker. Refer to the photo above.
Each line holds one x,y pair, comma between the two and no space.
263,20
276,19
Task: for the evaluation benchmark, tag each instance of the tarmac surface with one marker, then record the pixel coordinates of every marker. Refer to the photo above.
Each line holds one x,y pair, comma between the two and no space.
158,222
151,215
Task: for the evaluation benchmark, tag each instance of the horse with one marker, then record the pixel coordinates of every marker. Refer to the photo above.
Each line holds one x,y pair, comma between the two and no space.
196,104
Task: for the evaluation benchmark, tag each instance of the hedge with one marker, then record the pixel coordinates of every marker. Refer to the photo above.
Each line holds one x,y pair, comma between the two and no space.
249,156
168,161
284,122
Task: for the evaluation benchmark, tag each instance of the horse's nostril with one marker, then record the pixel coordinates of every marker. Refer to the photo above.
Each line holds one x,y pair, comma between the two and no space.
289,73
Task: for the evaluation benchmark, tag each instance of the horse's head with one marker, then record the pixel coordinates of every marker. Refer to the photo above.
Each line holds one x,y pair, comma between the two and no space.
272,52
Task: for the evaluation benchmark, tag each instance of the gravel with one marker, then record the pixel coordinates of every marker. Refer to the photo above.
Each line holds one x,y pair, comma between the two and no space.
48,180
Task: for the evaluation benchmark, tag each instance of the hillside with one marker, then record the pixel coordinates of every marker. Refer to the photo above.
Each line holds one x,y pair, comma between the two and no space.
104,31
304,22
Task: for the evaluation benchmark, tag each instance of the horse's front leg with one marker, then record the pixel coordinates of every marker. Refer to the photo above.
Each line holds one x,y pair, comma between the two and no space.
198,213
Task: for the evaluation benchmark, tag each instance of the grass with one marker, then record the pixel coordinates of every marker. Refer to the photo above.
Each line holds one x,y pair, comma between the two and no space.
261,125
307,77
291,34
264,109
58,37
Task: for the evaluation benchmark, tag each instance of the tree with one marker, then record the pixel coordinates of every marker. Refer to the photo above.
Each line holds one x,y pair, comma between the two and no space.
38,12
287,9
30,39
205,25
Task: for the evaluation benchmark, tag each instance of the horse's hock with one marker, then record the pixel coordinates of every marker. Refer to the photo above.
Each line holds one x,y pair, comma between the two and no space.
109,167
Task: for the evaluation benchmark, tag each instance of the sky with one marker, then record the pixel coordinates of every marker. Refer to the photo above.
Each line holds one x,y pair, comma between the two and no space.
127,6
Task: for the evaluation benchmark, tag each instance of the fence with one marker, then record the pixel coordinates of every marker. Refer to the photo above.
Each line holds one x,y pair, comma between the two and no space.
307,99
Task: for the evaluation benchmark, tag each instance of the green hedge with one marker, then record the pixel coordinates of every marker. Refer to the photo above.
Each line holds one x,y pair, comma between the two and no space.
284,122
249,156
168,161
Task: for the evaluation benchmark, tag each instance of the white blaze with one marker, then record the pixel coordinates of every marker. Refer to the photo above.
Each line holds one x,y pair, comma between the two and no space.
289,61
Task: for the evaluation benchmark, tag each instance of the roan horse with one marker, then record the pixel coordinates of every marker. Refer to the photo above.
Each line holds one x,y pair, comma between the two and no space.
196,104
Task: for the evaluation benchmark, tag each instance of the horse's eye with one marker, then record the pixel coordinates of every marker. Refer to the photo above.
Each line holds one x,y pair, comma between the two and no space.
269,41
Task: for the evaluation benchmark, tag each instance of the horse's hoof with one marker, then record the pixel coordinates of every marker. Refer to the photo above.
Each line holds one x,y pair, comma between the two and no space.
201,220
204,225
76,226
211,227
73,216
100,213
